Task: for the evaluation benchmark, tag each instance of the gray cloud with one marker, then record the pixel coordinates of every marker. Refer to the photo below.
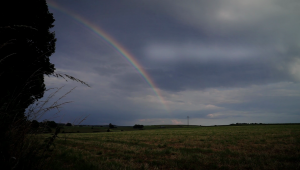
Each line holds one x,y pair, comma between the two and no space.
222,73
217,61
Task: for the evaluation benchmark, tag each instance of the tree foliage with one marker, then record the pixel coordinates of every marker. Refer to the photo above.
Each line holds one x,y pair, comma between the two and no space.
137,126
111,126
26,45
68,124
35,124
52,124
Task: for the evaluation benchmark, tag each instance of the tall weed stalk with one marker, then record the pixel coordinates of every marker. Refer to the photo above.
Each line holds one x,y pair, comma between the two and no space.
21,146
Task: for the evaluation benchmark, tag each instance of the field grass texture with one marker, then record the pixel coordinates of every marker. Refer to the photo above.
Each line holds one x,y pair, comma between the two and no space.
221,147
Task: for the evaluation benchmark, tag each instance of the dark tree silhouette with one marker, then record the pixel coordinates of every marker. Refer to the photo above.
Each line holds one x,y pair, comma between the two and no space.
68,124
137,126
35,124
26,43
52,124
111,126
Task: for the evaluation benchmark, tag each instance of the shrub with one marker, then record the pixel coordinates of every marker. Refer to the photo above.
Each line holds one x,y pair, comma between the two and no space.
26,44
137,126
68,124
35,124
52,124
111,126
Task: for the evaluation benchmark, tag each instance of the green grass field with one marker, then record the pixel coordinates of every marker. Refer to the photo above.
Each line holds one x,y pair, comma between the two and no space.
221,147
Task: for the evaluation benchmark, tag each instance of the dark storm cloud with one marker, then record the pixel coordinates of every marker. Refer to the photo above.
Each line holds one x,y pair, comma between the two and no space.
222,73
268,29
109,67
129,82
225,25
208,58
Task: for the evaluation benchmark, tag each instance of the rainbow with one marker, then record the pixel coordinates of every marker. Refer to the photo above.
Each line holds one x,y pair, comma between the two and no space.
113,43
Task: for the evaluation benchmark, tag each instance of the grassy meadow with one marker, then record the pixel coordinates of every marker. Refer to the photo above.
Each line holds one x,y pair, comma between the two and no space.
220,147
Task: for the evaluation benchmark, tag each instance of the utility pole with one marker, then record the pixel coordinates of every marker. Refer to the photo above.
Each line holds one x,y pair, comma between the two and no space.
188,121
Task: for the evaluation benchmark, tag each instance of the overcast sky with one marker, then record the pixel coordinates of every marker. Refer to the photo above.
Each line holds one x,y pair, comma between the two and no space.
216,61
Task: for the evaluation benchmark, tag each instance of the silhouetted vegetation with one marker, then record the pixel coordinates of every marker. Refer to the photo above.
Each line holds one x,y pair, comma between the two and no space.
26,43
111,126
68,124
52,124
35,124
137,126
